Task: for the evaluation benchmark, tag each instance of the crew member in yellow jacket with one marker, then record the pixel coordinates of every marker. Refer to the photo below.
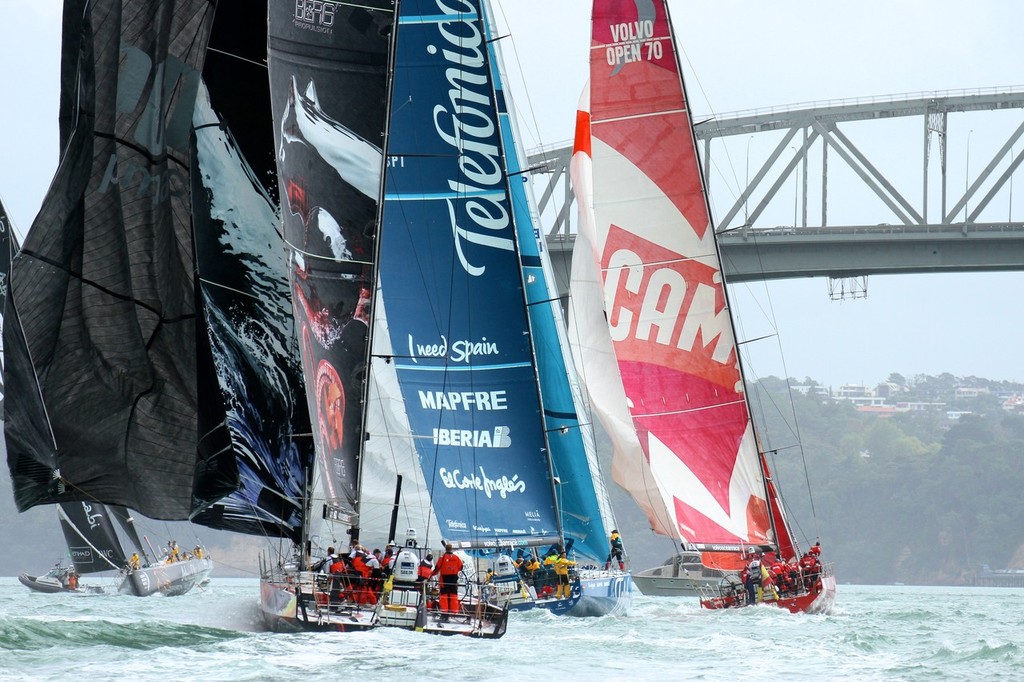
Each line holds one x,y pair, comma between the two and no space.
562,564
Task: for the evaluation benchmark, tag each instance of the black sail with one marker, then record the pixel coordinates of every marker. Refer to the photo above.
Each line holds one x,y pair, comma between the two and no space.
8,245
101,336
257,388
92,540
328,86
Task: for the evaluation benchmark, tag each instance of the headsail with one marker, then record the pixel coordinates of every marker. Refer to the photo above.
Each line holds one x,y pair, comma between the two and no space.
101,339
666,306
254,378
453,289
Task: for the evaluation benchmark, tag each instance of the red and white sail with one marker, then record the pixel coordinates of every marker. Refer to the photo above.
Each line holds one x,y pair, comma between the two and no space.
684,444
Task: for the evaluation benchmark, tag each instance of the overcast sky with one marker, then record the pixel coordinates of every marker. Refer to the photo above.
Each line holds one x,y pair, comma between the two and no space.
736,55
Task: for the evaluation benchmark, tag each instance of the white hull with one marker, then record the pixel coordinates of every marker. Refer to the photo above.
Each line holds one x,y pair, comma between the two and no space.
171,580
681,575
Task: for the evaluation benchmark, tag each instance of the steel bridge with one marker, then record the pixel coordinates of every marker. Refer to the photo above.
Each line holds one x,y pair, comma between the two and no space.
941,217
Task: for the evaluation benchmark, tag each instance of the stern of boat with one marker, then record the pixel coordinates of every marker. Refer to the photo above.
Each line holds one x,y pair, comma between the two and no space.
603,593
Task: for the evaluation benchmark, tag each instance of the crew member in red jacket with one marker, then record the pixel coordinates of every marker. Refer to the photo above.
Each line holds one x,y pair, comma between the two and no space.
449,566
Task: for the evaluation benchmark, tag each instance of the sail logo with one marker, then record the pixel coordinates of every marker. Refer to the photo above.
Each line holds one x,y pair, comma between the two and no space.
315,15
480,215
664,299
93,519
498,438
633,42
463,400
503,486
462,350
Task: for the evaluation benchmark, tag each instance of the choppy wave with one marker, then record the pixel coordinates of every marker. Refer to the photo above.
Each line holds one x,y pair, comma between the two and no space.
876,633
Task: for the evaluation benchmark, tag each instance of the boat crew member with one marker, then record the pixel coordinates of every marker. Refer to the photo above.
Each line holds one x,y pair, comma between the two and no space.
752,579
133,562
449,566
616,551
72,580
562,565
426,568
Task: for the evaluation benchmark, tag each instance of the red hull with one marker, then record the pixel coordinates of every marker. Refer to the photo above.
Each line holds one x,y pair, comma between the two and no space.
819,599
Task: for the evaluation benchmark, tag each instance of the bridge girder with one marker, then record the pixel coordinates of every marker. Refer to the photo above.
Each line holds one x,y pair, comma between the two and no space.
902,242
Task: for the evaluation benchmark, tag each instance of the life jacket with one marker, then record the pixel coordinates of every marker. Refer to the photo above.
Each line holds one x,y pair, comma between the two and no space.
425,569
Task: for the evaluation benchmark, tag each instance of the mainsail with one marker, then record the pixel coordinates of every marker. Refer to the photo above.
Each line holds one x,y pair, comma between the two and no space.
8,246
328,80
92,541
453,288
699,474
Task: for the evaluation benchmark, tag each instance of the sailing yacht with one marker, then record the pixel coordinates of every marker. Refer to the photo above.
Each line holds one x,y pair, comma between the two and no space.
660,356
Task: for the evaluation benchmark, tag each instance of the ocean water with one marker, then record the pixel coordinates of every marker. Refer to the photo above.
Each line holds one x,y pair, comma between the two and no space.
874,633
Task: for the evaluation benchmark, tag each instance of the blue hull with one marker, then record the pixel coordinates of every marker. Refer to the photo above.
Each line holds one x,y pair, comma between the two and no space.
596,593
604,594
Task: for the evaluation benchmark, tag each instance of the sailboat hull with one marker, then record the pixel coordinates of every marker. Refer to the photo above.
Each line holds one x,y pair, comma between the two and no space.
604,593
819,599
682,575
171,580
294,602
43,583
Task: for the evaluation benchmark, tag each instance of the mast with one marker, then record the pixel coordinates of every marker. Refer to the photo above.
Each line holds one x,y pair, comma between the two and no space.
762,464
510,158
375,278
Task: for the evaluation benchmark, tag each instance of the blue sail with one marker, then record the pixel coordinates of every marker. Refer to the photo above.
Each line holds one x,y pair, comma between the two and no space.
577,482
453,290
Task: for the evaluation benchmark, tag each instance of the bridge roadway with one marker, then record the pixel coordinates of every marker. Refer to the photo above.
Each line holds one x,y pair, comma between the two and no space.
908,240
789,252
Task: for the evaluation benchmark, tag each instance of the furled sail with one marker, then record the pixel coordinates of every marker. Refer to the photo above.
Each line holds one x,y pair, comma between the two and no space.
453,288
661,276
328,80
91,537
101,336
